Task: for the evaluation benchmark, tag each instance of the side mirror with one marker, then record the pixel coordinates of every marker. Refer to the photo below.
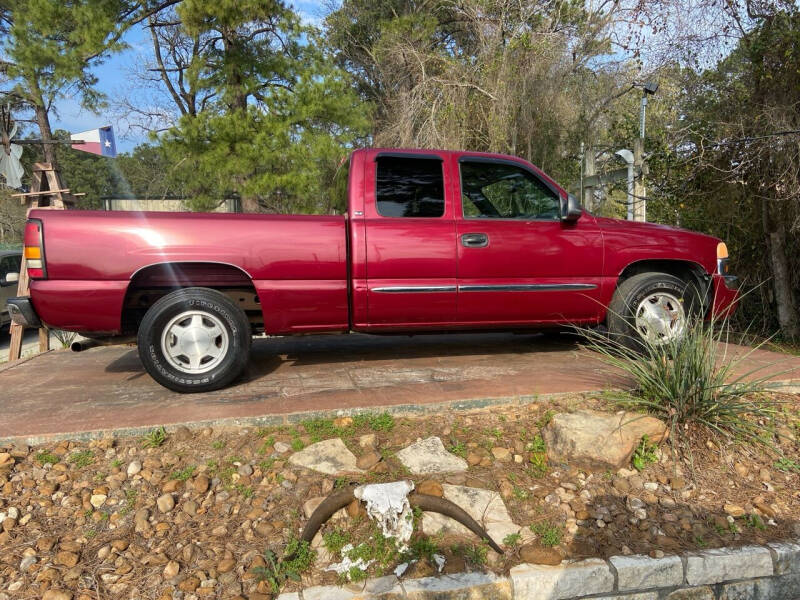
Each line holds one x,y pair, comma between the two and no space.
571,209
9,279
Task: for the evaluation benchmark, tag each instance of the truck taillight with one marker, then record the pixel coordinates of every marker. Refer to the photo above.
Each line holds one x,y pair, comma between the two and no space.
34,250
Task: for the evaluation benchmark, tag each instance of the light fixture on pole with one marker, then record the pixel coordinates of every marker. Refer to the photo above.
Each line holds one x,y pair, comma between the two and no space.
648,89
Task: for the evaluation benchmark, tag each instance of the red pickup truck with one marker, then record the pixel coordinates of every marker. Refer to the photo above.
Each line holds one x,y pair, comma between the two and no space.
432,241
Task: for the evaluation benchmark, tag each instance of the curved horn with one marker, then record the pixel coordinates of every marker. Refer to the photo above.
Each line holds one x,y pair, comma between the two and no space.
325,511
455,512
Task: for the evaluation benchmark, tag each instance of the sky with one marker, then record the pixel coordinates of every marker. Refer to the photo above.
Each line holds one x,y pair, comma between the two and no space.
114,79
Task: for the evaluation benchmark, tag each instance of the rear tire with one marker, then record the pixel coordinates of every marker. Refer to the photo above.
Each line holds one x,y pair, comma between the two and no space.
652,309
194,340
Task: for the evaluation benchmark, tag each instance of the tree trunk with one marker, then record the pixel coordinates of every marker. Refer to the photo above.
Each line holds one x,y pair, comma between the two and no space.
48,149
775,229
43,120
250,204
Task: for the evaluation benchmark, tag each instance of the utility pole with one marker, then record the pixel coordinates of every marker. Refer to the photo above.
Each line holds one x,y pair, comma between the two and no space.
639,191
587,178
638,210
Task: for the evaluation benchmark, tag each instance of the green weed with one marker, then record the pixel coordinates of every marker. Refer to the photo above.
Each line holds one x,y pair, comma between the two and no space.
297,557
46,457
183,474
82,459
549,534
154,438
644,454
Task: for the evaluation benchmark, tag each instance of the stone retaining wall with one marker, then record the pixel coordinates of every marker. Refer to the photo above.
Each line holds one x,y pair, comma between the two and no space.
770,572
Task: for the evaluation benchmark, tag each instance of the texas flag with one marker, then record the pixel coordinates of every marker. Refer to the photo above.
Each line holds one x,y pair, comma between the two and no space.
97,141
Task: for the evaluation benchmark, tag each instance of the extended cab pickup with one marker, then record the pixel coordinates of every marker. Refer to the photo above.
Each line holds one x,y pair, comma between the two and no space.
432,241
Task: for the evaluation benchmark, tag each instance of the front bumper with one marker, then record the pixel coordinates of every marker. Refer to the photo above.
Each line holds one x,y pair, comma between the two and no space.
22,313
726,295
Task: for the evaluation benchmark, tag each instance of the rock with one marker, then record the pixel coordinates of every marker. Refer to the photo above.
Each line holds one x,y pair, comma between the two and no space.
355,509
343,422
765,509
9,523
506,489
226,565
485,506
200,484
311,505
97,500
740,469
367,440
120,545
171,570
677,482
764,474
281,447
598,441
430,487
190,584
183,434
429,456
539,555
45,544
474,459
26,563
171,486
190,507
502,454
165,503
733,510
133,468
328,456
245,470
620,484
368,460
56,594
68,559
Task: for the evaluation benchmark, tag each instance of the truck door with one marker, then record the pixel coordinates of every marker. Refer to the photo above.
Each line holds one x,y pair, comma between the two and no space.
409,234
517,261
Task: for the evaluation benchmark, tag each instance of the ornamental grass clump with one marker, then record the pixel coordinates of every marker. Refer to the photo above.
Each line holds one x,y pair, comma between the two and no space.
695,381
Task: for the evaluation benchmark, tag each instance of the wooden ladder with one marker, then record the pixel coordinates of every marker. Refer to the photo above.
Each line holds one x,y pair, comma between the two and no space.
47,191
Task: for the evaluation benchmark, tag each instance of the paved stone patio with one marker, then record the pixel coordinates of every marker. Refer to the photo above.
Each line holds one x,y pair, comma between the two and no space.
105,388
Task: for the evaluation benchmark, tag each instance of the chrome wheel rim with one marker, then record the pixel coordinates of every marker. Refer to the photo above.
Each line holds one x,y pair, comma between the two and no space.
194,342
660,318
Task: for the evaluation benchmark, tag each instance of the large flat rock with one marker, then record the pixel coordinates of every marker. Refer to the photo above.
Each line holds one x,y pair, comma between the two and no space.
328,456
428,456
485,506
599,441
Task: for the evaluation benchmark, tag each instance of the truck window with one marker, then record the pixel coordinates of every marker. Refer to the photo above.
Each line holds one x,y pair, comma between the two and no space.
409,187
502,191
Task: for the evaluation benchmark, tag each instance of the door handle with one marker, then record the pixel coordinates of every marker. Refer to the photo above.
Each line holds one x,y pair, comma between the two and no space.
474,240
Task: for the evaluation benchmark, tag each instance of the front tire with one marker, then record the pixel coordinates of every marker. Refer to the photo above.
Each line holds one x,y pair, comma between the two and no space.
194,340
652,310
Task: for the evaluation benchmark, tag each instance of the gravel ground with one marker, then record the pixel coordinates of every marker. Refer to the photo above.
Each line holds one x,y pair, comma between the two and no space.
191,513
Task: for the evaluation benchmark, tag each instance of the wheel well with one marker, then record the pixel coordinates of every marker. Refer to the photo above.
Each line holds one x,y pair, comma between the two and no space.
688,271
155,281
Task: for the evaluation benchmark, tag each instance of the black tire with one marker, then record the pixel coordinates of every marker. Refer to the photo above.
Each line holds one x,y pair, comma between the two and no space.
217,313
632,292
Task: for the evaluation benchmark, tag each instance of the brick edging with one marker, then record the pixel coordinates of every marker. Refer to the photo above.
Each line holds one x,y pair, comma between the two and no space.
746,573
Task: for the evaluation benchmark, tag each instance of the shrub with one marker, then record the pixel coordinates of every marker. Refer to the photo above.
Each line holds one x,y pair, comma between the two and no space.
693,380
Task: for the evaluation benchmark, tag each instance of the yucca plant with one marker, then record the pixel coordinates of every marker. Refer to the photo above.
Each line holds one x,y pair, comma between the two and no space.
694,380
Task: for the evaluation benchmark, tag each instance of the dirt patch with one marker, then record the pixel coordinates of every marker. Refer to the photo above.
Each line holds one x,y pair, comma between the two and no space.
195,511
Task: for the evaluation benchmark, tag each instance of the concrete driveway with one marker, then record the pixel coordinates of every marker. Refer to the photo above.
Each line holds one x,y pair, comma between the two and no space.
62,392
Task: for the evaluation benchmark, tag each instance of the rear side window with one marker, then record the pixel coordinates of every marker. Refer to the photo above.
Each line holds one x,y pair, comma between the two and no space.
410,187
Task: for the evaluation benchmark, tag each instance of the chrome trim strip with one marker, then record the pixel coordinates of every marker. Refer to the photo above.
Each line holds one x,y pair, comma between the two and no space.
414,289
533,287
